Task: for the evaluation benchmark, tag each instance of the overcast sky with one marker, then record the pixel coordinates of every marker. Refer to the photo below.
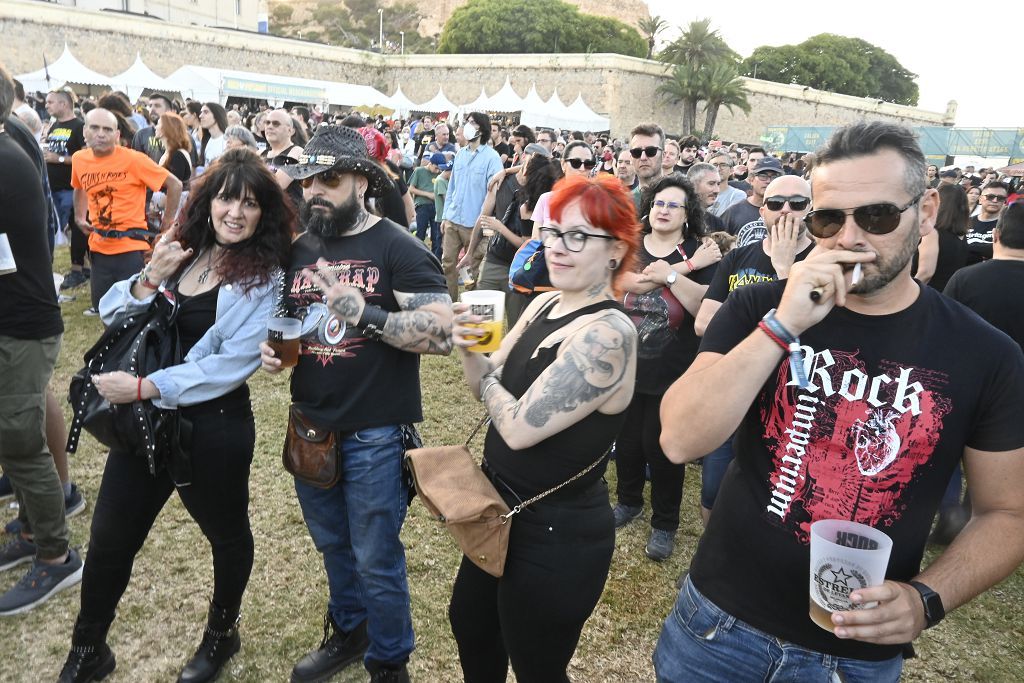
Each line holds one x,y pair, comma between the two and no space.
923,36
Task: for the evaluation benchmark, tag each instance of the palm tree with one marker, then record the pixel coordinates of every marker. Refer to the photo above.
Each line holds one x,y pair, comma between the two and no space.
651,27
685,86
721,87
698,45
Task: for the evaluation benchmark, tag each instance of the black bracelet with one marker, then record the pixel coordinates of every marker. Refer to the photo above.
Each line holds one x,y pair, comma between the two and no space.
372,321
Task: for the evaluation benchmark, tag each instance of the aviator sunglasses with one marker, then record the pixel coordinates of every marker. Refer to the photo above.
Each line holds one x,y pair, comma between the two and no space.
796,202
586,163
328,178
877,219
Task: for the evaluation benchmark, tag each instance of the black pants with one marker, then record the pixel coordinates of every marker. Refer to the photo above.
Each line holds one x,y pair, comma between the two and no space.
79,243
558,560
107,270
638,446
130,498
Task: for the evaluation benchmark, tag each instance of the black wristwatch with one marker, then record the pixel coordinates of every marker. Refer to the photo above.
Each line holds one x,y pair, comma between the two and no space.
934,612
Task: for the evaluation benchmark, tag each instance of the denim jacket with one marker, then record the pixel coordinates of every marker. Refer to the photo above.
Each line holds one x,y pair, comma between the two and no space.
223,358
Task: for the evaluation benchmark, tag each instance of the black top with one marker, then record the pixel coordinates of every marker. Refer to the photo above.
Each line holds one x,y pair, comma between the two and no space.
28,299
952,257
196,315
559,457
506,210
993,290
148,143
874,437
392,204
345,381
294,189
64,139
667,343
744,266
743,219
979,240
181,169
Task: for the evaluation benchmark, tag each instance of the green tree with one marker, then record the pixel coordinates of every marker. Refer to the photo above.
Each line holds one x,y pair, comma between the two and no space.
834,63
650,27
722,88
282,14
534,26
684,87
699,44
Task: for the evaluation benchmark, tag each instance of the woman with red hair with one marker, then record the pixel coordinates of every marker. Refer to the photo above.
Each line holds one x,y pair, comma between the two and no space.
556,392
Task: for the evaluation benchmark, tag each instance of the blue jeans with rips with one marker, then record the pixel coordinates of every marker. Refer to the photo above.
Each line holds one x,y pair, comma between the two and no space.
355,525
700,642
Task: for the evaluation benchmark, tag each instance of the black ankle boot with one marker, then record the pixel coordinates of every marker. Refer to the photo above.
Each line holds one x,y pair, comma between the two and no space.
220,643
90,659
337,650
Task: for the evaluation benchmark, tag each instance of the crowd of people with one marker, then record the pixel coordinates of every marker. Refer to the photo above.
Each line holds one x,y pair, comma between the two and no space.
796,323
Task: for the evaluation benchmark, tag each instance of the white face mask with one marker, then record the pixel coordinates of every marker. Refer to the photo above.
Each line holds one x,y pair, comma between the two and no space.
470,131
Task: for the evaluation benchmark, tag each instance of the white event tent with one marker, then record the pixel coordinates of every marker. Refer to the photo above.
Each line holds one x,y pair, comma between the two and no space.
66,70
400,102
437,104
506,99
588,119
481,103
139,77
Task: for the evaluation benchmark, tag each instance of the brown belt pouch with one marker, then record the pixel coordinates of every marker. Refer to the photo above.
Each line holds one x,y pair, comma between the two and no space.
310,453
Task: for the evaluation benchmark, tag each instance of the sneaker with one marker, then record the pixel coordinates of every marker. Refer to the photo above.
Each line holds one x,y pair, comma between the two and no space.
16,551
65,298
41,583
75,278
624,514
337,650
6,490
74,503
383,675
91,312
660,545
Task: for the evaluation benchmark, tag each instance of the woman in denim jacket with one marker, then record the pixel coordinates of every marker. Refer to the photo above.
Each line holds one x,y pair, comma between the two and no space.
223,267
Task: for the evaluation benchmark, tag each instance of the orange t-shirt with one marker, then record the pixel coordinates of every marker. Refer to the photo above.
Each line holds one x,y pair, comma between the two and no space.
116,186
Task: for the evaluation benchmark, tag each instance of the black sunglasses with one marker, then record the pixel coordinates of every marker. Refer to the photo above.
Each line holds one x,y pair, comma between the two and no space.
877,219
576,163
997,198
651,151
796,202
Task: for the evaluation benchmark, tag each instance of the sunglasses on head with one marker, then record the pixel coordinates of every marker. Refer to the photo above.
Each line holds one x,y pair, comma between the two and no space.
329,178
998,198
577,163
650,151
796,202
877,219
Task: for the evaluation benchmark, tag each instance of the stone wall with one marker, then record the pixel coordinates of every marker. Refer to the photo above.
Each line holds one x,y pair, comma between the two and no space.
622,88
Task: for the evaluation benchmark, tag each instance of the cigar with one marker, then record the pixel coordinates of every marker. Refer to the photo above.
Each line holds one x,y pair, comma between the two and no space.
817,291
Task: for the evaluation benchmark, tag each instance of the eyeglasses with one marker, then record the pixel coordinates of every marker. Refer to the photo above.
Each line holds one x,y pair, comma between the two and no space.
662,204
767,175
723,164
651,151
997,198
329,178
796,202
574,240
577,163
877,219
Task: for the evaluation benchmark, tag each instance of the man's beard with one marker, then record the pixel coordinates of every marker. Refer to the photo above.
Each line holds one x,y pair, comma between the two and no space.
336,222
883,270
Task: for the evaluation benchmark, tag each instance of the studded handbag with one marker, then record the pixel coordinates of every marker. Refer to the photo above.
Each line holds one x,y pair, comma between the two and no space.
138,343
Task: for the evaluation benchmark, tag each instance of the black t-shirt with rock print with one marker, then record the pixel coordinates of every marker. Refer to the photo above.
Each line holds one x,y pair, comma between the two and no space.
743,220
345,381
979,240
64,139
891,402
747,265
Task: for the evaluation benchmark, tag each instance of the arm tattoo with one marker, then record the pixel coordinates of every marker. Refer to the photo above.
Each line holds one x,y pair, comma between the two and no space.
345,306
594,365
425,298
418,331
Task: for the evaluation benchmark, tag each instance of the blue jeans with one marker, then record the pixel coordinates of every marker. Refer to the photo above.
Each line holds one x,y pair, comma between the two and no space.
355,525
425,216
713,470
700,642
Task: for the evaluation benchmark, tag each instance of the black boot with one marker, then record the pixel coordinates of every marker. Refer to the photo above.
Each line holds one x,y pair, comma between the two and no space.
90,659
383,674
337,650
220,643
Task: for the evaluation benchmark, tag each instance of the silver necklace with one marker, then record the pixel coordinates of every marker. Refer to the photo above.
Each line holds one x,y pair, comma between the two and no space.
205,275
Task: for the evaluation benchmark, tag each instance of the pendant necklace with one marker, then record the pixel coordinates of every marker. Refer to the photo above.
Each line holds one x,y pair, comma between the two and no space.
205,275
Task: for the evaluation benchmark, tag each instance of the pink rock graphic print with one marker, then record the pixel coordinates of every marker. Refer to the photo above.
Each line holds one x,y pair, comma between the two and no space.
846,446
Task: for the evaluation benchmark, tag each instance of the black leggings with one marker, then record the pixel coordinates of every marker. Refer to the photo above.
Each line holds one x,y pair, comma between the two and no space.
558,560
130,498
638,445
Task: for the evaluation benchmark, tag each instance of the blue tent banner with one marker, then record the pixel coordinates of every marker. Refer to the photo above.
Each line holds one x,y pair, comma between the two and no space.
937,142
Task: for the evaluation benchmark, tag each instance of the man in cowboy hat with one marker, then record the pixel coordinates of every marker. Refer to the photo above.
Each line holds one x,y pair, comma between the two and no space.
372,298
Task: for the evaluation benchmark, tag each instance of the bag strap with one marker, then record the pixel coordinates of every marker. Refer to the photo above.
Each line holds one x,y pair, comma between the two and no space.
484,420
519,508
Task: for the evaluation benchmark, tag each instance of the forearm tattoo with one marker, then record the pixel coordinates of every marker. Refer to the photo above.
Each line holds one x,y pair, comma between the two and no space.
424,299
417,330
594,364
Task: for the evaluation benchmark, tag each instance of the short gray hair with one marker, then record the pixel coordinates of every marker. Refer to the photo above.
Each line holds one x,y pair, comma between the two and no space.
242,134
699,169
870,137
6,94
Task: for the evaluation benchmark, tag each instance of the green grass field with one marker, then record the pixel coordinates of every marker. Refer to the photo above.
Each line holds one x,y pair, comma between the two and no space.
161,615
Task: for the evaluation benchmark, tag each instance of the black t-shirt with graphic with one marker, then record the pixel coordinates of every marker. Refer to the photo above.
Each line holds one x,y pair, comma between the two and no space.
667,342
148,143
979,240
992,290
64,139
345,381
747,265
743,220
892,401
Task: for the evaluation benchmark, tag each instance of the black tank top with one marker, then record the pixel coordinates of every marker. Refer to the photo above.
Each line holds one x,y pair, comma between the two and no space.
558,458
